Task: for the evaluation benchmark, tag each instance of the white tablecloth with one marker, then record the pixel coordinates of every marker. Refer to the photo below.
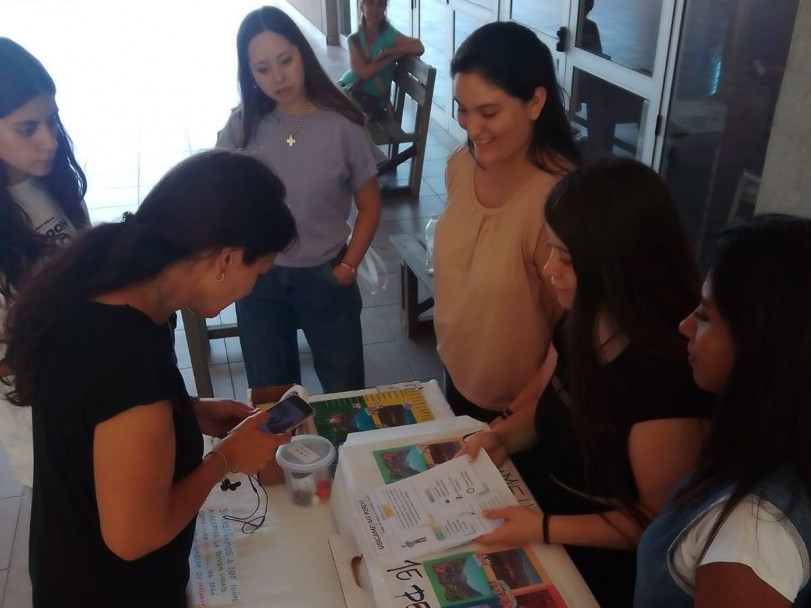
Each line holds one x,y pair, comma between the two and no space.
288,563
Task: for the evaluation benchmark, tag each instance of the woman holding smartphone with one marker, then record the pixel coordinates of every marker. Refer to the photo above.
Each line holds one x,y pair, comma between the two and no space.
118,450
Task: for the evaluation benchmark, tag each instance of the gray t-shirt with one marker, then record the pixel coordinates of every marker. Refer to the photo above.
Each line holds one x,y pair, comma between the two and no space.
332,159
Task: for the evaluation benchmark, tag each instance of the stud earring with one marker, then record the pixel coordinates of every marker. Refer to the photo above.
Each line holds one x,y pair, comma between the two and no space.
219,277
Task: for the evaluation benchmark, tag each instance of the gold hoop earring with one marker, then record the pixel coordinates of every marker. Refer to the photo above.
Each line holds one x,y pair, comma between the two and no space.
219,277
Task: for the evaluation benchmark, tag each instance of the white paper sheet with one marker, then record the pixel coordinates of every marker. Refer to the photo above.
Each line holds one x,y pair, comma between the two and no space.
435,510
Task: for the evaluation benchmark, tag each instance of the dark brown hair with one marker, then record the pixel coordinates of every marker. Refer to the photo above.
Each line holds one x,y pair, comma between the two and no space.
24,78
212,200
319,87
759,279
632,260
511,57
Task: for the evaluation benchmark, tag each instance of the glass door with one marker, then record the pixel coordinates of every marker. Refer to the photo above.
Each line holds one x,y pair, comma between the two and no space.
465,16
611,60
726,78
546,18
432,18
609,54
442,26
615,68
429,21
402,15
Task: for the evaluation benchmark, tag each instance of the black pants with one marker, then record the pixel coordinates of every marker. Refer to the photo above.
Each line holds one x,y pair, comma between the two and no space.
460,405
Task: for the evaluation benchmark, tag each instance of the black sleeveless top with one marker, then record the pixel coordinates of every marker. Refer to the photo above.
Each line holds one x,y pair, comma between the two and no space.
638,387
105,361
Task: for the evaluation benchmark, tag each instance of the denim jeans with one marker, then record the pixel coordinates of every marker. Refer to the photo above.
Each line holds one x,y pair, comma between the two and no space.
286,299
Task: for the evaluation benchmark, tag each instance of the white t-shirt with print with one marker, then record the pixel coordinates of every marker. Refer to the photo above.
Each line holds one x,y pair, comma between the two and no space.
48,219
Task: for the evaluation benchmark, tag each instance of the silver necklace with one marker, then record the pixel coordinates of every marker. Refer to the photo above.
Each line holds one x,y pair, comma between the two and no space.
291,139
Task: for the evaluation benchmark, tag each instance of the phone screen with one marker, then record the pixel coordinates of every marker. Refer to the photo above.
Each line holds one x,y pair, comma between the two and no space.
288,413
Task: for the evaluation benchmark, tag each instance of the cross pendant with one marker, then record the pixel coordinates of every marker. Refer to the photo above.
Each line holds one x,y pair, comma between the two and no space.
290,140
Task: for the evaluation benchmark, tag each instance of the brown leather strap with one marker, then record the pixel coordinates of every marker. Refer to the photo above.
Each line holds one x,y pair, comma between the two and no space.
383,93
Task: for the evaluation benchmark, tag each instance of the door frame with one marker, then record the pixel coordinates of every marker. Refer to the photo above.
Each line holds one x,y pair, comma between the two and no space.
651,88
656,88
474,10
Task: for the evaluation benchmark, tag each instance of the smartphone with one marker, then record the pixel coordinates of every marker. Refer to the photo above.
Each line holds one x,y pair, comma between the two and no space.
287,414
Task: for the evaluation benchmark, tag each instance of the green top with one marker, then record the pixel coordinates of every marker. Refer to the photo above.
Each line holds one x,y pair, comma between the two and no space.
385,38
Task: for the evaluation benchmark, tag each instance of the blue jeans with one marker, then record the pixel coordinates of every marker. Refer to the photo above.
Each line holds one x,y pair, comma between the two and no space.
286,299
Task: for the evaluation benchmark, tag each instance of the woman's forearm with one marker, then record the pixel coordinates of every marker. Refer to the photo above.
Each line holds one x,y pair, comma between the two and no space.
517,433
366,222
373,68
409,46
609,530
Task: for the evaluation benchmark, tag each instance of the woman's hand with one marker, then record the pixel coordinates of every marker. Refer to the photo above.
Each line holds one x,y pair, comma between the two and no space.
492,444
496,421
521,525
217,417
345,274
247,448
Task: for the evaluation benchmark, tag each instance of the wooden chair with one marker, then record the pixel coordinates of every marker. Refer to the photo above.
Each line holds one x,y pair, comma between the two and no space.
413,270
414,78
198,334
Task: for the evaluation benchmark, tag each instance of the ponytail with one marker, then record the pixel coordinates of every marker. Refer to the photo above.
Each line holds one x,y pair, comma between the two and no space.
213,200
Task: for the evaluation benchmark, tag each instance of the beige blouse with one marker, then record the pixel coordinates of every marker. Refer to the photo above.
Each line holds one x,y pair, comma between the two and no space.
492,308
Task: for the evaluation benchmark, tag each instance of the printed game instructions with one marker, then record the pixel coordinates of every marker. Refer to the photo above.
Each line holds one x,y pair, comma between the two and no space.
435,510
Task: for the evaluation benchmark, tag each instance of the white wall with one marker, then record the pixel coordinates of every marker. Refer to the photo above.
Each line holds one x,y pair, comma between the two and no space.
786,185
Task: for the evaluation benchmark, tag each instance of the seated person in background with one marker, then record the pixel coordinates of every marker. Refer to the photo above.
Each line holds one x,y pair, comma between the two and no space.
120,475
42,206
619,422
373,52
738,530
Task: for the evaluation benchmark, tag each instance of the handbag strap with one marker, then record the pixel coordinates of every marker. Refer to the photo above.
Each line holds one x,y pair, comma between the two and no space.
376,79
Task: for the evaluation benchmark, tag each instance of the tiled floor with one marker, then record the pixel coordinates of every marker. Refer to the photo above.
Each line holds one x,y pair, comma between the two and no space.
140,87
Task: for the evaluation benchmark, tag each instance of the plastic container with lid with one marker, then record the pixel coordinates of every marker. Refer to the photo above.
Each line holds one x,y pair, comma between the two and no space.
307,465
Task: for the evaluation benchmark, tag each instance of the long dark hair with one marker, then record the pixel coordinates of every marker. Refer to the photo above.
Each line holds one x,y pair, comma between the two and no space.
512,57
24,78
632,260
212,200
759,279
319,87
